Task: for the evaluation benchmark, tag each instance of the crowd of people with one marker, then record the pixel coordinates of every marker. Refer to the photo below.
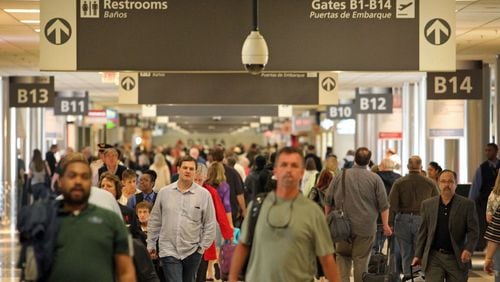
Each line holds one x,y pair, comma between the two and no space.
164,214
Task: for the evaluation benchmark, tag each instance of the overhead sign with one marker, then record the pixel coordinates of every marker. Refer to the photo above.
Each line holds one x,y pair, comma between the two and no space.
379,103
71,103
328,88
31,91
192,36
341,112
215,110
224,88
96,117
128,92
131,120
464,84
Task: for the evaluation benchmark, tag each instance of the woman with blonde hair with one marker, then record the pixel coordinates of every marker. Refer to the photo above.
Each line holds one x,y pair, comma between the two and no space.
162,172
492,205
217,179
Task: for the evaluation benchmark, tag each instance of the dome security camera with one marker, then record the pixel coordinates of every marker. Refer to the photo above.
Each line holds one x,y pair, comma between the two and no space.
254,54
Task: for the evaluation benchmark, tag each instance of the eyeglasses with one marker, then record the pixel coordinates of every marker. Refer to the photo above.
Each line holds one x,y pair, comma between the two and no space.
282,226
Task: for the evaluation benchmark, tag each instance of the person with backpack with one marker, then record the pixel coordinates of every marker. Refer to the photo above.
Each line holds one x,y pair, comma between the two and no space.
256,181
290,233
318,192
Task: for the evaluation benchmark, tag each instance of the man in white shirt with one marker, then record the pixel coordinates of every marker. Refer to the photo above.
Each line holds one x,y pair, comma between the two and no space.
183,222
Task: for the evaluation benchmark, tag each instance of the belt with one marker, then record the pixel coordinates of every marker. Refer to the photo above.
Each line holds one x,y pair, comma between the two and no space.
411,213
443,251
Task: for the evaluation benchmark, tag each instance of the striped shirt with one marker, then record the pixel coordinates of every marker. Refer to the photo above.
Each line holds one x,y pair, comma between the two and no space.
493,230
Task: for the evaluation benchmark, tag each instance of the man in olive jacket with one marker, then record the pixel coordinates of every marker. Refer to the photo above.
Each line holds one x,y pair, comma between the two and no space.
448,233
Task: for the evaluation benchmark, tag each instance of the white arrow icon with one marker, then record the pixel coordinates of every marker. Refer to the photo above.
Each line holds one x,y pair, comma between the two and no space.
128,83
438,27
58,27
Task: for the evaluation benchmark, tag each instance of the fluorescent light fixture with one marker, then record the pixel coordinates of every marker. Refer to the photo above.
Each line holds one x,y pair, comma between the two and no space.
30,21
24,11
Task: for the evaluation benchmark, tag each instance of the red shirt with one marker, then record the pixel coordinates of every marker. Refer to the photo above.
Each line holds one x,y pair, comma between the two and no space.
220,215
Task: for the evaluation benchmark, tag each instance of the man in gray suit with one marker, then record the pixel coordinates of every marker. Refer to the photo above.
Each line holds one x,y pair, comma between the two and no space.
448,233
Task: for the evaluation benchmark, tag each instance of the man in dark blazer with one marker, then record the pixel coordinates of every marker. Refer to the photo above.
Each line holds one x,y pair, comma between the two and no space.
448,233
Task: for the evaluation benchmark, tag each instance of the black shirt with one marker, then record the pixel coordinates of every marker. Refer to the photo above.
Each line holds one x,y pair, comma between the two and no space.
442,237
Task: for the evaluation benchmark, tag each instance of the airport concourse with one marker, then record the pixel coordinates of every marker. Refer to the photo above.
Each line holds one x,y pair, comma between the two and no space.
253,140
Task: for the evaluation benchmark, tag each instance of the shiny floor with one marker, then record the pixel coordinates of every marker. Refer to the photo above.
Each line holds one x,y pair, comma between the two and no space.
9,250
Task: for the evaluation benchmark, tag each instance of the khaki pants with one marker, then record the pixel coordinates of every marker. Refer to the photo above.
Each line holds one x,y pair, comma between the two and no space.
357,252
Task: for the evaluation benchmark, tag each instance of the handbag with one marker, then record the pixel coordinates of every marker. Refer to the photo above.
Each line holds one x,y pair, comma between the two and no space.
338,222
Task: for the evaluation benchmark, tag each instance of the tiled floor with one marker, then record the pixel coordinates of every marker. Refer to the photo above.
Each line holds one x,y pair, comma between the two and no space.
9,250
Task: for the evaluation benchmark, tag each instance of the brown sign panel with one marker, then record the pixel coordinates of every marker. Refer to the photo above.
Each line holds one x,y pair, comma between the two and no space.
235,89
462,84
31,91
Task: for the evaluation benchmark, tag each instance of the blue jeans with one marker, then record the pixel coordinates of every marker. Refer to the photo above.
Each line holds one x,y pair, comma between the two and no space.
185,270
406,232
39,191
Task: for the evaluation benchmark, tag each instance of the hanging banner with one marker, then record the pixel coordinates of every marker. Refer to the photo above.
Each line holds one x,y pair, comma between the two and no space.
193,36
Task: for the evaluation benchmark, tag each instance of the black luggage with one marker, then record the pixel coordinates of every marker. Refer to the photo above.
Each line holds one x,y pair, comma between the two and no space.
379,267
416,276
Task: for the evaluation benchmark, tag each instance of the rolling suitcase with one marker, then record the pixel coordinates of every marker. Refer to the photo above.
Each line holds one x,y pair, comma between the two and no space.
381,265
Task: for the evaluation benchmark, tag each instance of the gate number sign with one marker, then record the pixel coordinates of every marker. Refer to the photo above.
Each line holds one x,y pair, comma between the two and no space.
77,103
462,84
374,103
31,91
341,112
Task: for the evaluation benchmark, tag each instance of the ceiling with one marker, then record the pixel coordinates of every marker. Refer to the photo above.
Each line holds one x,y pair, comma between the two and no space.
477,37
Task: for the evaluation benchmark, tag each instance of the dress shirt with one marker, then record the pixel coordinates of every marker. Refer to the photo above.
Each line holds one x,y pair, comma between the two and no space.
182,222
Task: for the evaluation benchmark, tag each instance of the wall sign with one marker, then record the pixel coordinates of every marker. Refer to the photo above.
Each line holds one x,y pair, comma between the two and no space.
31,91
191,36
463,84
341,112
71,103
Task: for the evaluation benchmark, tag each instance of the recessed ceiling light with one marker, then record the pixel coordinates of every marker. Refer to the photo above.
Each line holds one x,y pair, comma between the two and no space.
30,21
37,30
22,10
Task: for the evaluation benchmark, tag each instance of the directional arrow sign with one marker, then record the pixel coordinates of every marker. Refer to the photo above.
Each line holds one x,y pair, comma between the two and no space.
328,88
129,88
58,31
328,83
128,83
437,31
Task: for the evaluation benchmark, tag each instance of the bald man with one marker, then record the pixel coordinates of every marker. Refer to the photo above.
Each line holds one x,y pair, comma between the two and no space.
405,198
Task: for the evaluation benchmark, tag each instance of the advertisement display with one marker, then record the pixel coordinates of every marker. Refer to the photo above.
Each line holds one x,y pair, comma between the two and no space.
445,119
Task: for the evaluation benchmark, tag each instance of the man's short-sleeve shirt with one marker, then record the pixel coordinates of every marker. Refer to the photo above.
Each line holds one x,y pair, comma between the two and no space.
86,245
287,254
